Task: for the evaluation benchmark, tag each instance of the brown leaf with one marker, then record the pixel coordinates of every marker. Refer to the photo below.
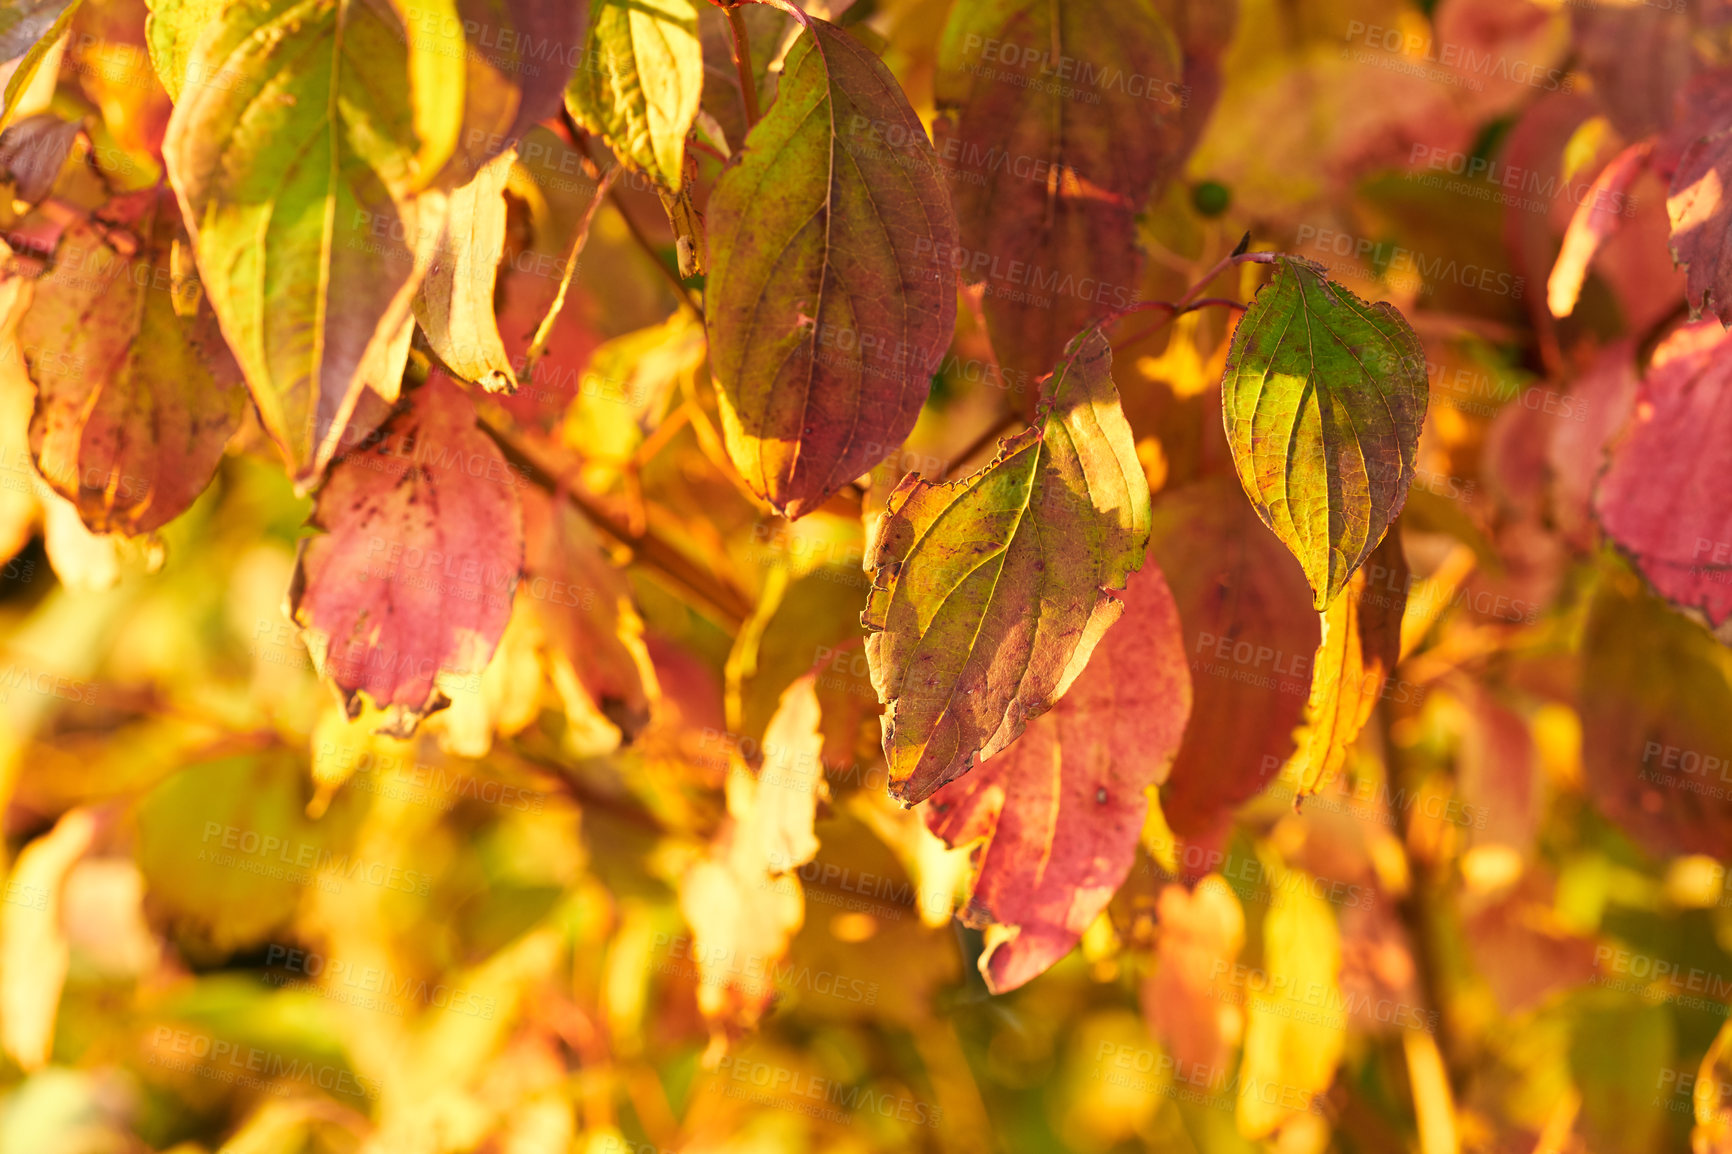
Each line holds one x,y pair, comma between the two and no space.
134,403
1250,633
412,578
1056,120
1661,499
1059,811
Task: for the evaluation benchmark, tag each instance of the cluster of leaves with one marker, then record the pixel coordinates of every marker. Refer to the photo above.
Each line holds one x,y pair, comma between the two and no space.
861,612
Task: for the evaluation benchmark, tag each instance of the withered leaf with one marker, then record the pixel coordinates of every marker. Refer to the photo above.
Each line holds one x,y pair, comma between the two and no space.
134,403
422,544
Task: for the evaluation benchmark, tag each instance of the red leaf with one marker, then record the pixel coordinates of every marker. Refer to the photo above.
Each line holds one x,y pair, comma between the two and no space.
1662,498
1052,153
422,548
1060,810
1250,634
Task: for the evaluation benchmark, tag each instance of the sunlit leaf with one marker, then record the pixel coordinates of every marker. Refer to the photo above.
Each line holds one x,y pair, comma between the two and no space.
295,168
830,298
1356,655
455,304
1323,398
642,77
1294,1028
990,592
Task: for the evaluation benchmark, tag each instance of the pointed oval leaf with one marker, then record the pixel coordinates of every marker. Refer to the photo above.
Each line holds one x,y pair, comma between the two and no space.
413,575
1061,809
455,305
642,79
1660,497
990,592
519,54
1057,119
830,296
1323,398
293,158
134,403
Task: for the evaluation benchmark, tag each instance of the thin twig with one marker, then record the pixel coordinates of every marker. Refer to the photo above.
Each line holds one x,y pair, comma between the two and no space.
544,330
743,62
537,462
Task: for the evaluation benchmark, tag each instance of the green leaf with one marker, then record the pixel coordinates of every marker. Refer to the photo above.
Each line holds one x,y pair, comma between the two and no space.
991,592
171,30
455,304
830,296
1323,398
294,162
642,78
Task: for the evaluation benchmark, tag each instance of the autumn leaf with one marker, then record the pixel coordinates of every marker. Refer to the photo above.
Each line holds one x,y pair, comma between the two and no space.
1357,652
1294,1026
1601,211
1057,520
1056,815
1701,215
1656,690
1659,498
294,171
641,81
412,577
1202,931
1323,398
30,35
134,403
830,298
518,55
455,304
584,603
1056,120
744,901
1250,635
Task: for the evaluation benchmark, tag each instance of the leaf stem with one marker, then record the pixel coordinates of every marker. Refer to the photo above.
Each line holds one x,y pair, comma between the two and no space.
743,62
681,293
